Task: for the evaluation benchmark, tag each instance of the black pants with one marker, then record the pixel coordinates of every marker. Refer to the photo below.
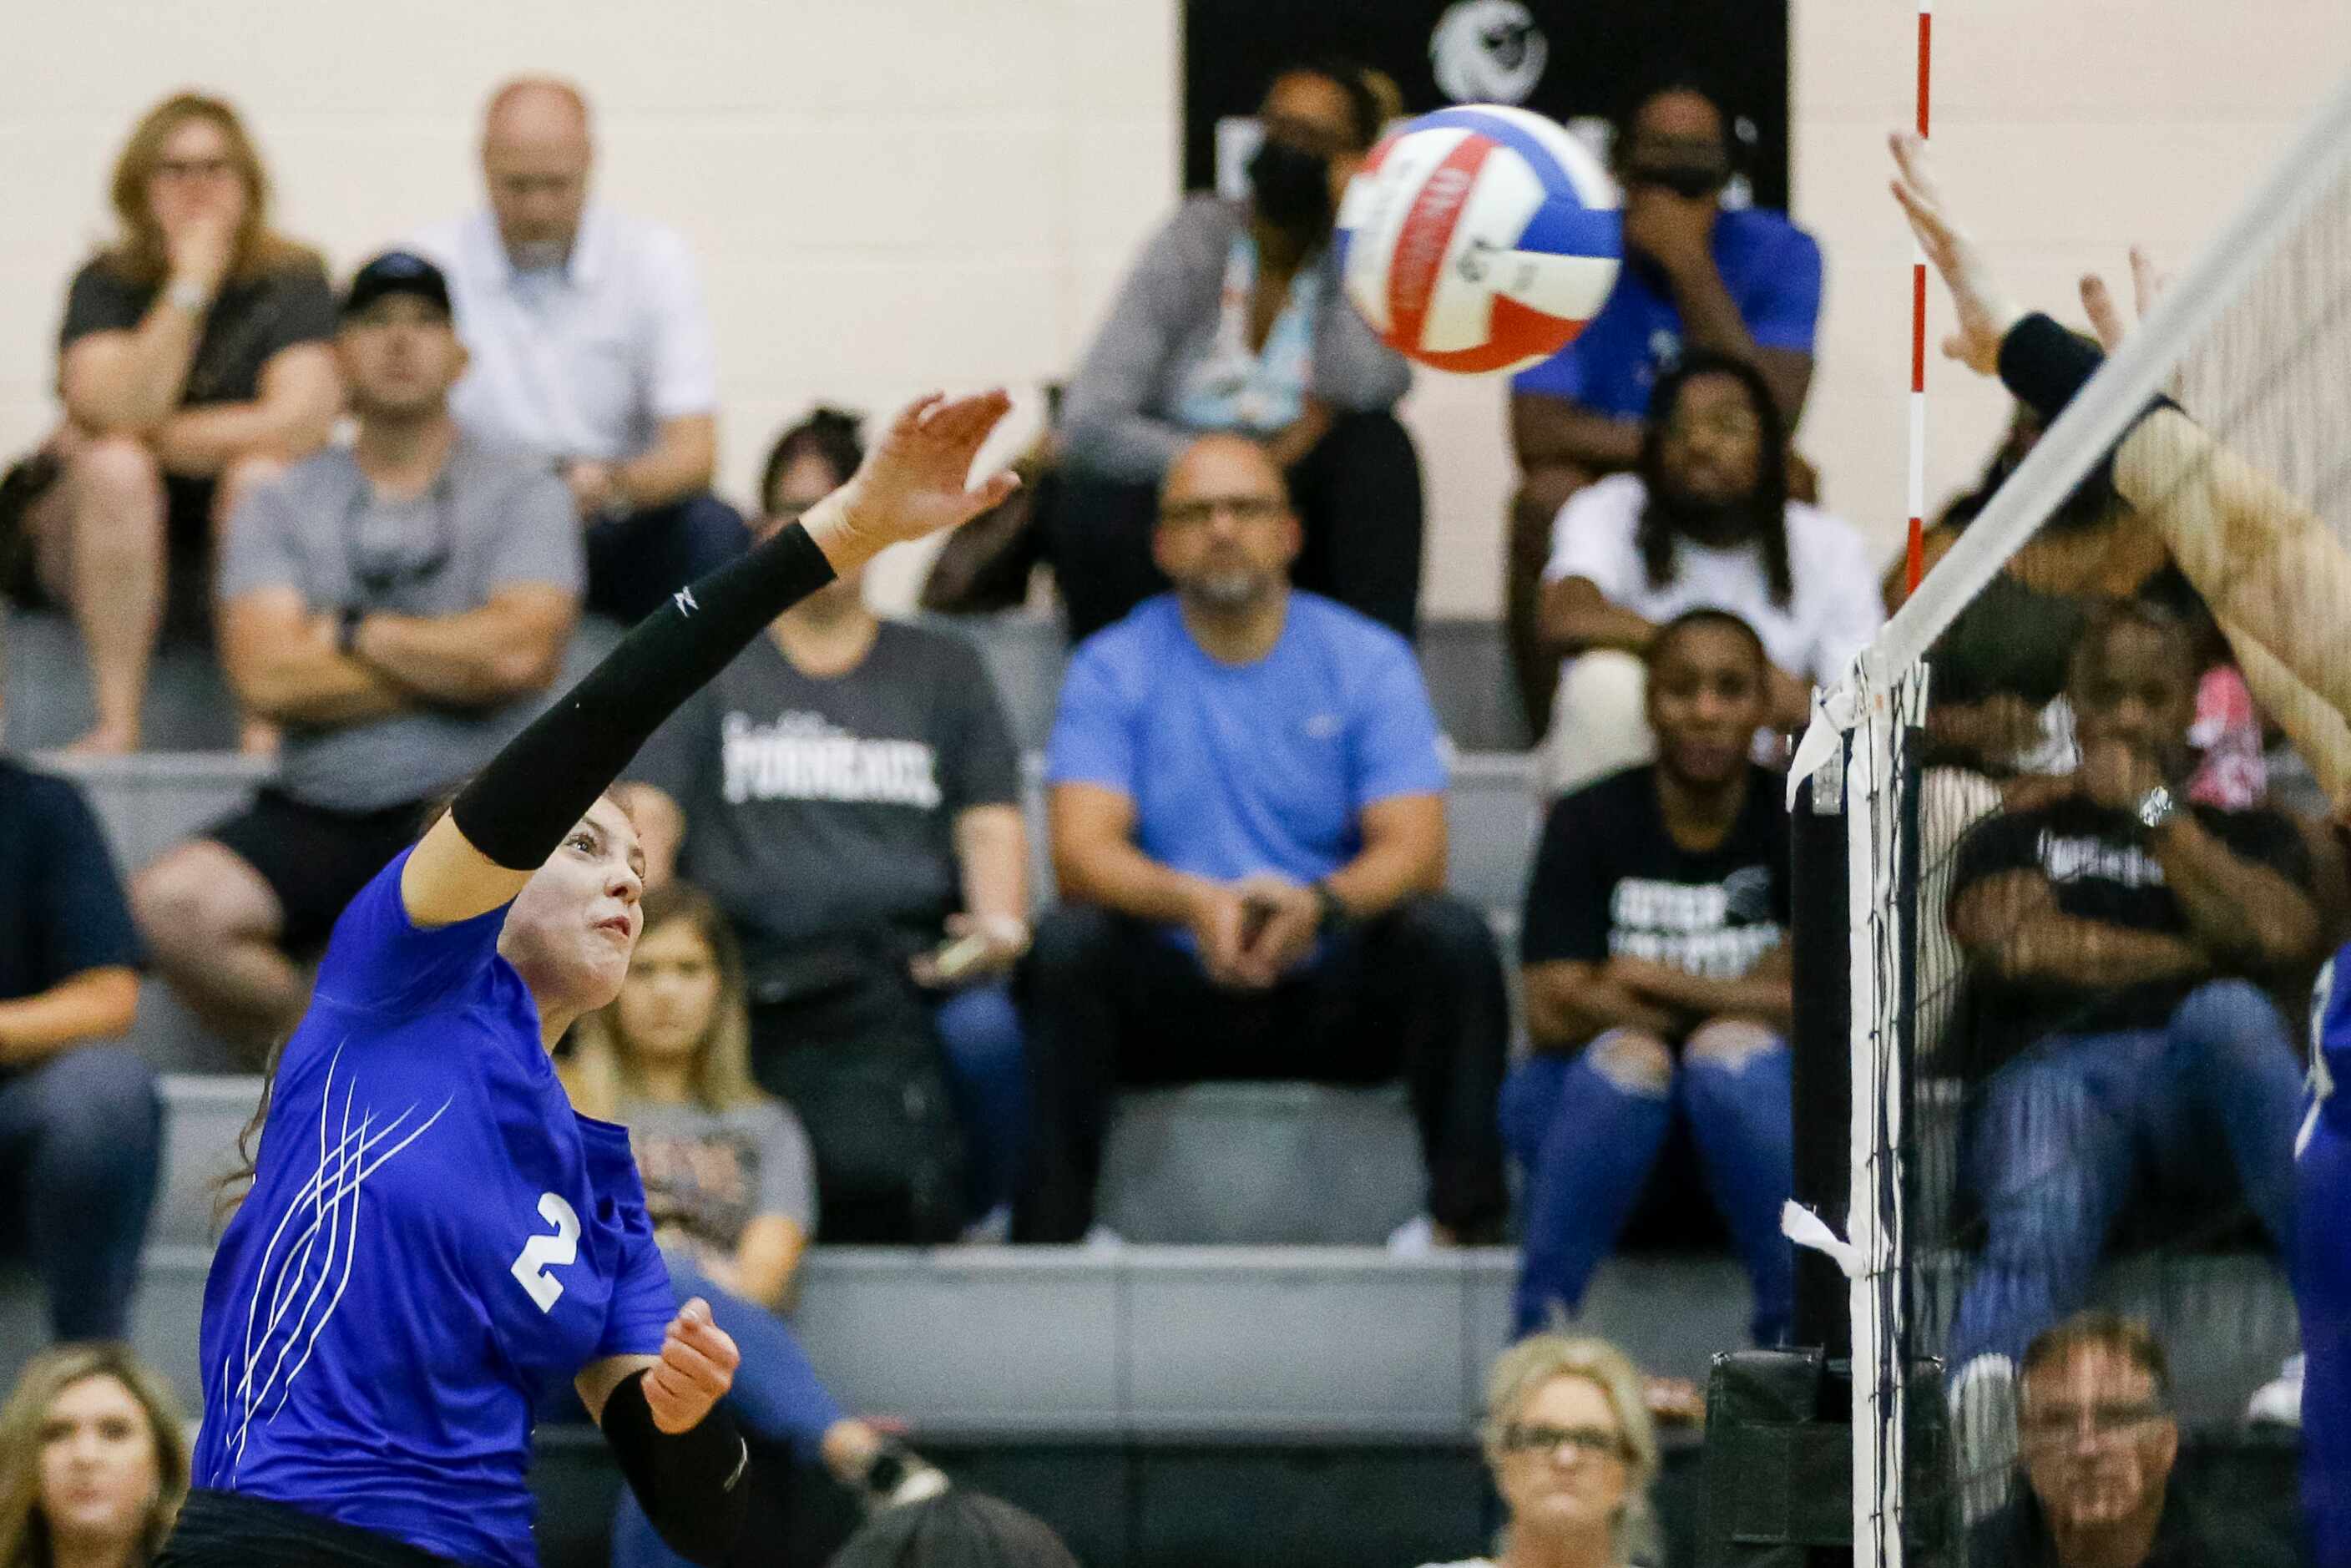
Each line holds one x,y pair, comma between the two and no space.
1357,493
228,1529
636,563
1415,993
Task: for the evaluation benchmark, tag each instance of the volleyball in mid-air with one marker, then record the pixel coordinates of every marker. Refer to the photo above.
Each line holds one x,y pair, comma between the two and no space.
1479,238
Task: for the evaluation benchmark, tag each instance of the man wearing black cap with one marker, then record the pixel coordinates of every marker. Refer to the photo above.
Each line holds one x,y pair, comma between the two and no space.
396,605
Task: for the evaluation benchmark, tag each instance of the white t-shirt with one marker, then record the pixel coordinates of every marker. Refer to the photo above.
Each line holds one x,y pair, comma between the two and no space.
1832,612
585,360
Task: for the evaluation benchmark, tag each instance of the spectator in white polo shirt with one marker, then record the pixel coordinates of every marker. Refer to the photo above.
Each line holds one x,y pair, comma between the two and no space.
590,347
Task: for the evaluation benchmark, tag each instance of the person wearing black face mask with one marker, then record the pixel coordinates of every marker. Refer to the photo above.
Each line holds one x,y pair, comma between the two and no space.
1744,282
1233,320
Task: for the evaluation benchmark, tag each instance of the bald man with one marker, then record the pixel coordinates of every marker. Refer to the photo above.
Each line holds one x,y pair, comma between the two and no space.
1248,819
591,349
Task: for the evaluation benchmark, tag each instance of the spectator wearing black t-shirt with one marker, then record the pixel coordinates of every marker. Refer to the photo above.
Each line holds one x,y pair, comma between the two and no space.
80,1125
849,790
1657,983
2121,945
194,365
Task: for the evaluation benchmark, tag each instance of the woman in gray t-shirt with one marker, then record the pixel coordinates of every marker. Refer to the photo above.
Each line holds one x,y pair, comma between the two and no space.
730,1188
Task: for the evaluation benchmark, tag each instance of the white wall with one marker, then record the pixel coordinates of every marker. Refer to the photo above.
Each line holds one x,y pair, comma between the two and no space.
885,195
892,193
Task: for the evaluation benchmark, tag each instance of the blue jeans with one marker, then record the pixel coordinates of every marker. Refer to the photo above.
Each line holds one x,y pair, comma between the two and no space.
1588,1147
2067,1130
775,1398
81,1139
979,1031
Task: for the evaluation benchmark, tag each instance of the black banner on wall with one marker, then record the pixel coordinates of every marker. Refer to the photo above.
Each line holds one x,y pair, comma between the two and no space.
1571,59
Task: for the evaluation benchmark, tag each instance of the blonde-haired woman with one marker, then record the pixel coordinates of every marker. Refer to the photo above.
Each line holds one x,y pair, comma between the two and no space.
1573,1453
730,1187
194,363
93,1461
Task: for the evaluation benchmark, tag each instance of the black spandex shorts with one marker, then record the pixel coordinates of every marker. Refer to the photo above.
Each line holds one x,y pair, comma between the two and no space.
228,1529
314,859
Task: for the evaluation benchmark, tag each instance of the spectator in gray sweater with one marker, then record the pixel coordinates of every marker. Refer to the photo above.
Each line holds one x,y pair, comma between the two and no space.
1233,320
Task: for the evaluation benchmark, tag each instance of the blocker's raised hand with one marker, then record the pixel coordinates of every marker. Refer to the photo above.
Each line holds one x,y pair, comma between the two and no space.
1985,311
917,480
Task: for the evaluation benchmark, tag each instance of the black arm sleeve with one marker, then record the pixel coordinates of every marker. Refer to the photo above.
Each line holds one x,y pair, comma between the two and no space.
692,1484
519,807
2044,365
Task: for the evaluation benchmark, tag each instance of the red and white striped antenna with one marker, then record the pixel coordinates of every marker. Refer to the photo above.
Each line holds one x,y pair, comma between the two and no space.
1916,558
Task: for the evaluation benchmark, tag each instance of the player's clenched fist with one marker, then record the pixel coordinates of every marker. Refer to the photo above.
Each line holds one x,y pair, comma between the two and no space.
696,1366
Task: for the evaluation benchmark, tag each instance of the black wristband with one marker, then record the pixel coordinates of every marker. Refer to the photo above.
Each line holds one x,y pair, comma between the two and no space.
691,1482
2044,365
518,808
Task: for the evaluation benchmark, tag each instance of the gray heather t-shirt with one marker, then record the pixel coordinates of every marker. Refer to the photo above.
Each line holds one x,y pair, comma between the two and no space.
708,1173
820,808
491,521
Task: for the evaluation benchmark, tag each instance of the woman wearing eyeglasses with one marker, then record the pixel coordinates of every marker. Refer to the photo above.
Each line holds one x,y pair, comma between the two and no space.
193,364
1573,1454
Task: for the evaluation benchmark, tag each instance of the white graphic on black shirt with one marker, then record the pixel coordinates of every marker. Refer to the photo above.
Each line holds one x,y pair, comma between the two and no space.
1714,929
805,756
322,1251
2084,857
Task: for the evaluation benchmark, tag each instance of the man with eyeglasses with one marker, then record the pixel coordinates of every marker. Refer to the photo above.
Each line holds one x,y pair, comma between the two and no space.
1248,821
396,605
2099,1441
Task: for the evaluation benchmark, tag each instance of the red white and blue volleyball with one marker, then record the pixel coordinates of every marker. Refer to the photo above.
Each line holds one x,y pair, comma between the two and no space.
1479,239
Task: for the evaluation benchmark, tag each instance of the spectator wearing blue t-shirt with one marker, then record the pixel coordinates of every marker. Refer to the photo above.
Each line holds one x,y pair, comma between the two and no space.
1744,282
80,1125
1249,828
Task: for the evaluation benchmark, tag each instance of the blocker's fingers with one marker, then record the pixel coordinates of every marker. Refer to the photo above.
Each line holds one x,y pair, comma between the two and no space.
1955,347
996,489
2147,282
2105,320
687,1369
909,422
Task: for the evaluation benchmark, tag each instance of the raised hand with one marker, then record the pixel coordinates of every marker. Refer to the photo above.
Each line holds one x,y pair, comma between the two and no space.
917,480
1985,311
2105,317
694,1370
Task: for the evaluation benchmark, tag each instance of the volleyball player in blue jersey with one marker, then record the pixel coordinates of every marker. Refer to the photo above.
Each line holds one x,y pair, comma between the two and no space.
2279,584
433,1239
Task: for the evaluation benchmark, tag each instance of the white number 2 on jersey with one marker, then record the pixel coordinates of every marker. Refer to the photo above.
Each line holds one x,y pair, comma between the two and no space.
541,1253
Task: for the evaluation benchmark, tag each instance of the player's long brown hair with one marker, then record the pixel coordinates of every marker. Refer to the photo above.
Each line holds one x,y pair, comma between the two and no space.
602,1072
23,1532
139,254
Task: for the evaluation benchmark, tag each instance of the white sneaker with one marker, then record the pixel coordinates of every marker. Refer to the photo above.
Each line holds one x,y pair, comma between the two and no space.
1983,1434
2278,1401
1102,1239
1416,1237
993,1229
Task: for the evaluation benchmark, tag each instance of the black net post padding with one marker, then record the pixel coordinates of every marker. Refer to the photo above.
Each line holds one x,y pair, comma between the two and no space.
1820,1046
1777,1489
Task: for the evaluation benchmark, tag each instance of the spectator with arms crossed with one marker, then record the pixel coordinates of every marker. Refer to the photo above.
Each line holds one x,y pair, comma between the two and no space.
1248,826
1742,283
591,349
80,1125
850,792
1656,980
192,365
396,604
2120,941
1707,520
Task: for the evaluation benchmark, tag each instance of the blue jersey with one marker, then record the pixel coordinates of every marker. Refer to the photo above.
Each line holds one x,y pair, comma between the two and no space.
2322,1272
434,1240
